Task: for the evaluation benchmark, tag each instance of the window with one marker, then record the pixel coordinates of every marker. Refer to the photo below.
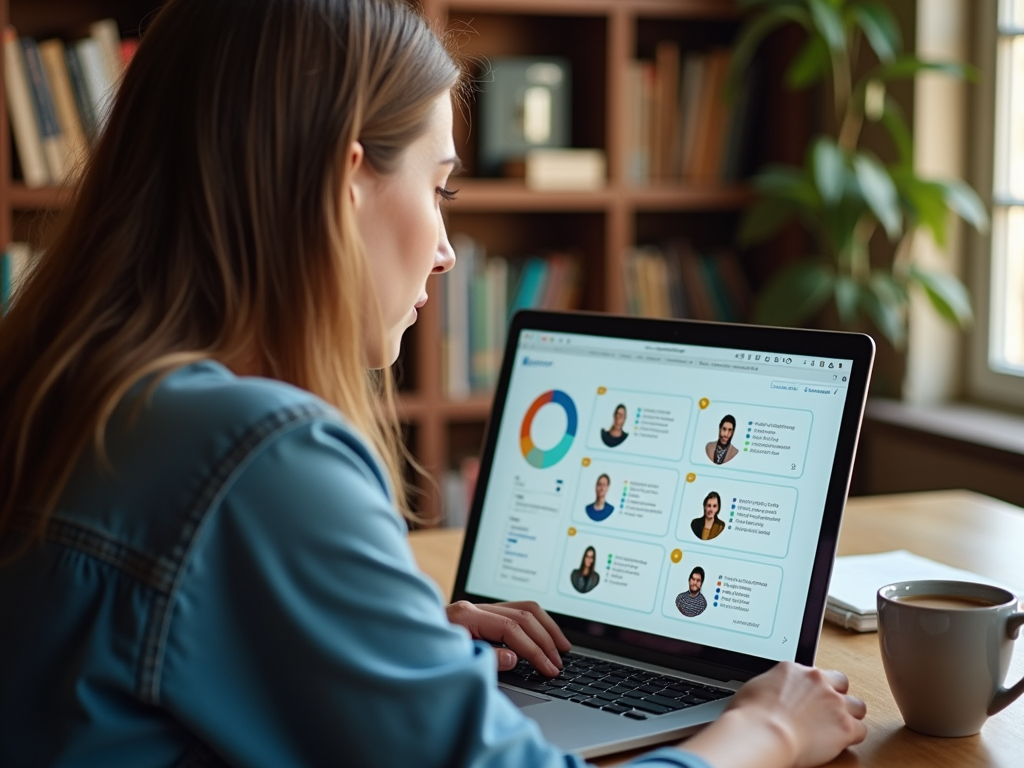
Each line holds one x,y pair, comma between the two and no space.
998,361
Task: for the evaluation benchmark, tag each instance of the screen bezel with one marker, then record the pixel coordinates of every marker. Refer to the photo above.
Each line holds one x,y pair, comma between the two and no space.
656,649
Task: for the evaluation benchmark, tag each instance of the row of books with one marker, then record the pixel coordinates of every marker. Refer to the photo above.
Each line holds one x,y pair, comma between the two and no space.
15,264
675,280
479,297
58,97
681,124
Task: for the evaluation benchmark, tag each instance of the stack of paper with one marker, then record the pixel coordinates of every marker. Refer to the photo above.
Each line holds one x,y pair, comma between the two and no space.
856,580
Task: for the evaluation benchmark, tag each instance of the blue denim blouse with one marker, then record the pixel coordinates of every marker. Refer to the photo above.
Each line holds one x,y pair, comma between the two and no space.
239,590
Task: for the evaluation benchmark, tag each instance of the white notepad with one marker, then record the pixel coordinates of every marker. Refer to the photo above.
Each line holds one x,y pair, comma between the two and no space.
856,580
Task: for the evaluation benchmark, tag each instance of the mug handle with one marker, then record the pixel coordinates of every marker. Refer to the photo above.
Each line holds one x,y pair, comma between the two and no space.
1006,696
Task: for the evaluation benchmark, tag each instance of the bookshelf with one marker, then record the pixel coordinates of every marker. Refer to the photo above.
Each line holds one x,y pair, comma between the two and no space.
599,38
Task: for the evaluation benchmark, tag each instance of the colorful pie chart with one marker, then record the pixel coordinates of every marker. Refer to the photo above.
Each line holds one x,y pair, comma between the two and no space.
542,459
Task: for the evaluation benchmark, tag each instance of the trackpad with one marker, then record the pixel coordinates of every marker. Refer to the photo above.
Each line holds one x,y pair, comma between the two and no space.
521,699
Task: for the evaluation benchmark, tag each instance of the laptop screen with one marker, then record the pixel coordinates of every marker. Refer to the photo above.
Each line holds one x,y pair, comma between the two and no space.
673,489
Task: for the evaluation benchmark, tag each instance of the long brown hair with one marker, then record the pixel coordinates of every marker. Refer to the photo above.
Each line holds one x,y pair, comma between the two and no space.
212,220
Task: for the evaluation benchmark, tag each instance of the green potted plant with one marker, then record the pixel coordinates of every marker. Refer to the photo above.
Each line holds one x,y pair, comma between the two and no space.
843,193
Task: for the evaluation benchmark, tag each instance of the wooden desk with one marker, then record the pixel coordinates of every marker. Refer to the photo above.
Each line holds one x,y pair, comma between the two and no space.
959,528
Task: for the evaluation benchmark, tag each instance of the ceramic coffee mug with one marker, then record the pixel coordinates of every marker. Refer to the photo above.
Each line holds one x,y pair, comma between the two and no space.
946,648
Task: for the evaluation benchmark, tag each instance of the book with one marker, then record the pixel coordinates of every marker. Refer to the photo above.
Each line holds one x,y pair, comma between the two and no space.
637,156
54,145
108,40
690,116
99,88
666,65
15,264
54,59
455,320
24,121
83,100
704,160
856,580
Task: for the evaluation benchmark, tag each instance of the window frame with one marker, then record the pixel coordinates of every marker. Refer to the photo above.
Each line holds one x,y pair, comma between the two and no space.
985,382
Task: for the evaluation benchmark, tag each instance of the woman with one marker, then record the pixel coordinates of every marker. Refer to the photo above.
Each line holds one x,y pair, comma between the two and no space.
708,525
615,435
585,578
199,473
600,509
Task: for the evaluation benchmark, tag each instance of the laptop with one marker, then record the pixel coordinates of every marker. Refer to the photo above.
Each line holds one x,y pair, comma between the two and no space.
671,493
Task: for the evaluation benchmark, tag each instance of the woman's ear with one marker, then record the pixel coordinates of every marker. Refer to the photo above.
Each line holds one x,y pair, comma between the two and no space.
356,173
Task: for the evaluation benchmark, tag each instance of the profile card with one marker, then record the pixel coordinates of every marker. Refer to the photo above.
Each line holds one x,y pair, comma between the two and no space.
739,515
626,496
639,423
752,438
711,590
608,570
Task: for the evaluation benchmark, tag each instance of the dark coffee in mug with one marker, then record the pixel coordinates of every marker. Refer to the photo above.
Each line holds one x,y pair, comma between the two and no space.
945,602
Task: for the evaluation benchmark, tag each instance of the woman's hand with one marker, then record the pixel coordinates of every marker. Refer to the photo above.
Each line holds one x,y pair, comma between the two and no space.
522,626
790,716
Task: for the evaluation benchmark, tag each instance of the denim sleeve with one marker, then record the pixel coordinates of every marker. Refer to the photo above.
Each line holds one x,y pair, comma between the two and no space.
302,632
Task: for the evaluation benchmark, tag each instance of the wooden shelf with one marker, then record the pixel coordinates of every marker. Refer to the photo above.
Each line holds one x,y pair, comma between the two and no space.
413,407
512,195
21,198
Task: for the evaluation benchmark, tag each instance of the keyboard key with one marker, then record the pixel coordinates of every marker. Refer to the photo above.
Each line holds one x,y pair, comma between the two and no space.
716,693
607,695
693,700
601,685
619,689
582,689
595,703
664,701
654,709
559,693
615,709
651,688
634,715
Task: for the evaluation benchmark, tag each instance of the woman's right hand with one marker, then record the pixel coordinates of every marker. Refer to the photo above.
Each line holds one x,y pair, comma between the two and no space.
791,716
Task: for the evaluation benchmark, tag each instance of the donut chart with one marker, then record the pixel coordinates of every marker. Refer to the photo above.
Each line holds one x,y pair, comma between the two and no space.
534,456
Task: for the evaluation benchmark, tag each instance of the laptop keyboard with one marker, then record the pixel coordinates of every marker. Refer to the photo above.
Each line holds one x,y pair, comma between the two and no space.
616,688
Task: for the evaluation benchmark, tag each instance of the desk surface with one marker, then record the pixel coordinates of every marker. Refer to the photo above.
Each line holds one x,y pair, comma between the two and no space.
959,528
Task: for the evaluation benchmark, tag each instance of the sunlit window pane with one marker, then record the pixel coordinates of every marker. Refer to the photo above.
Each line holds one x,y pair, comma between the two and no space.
1009,176
1007,340
1011,14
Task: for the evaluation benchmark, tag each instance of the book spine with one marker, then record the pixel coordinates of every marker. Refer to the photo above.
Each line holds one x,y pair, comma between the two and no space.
55,64
108,40
99,87
24,121
54,144
80,90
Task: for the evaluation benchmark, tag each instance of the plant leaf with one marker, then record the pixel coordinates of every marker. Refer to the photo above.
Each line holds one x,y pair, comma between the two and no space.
895,122
847,293
829,164
886,313
947,294
751,35
880,28
764,219
829,24
925,203
788,182
809,66
794,294
908,66
879,192
964,201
